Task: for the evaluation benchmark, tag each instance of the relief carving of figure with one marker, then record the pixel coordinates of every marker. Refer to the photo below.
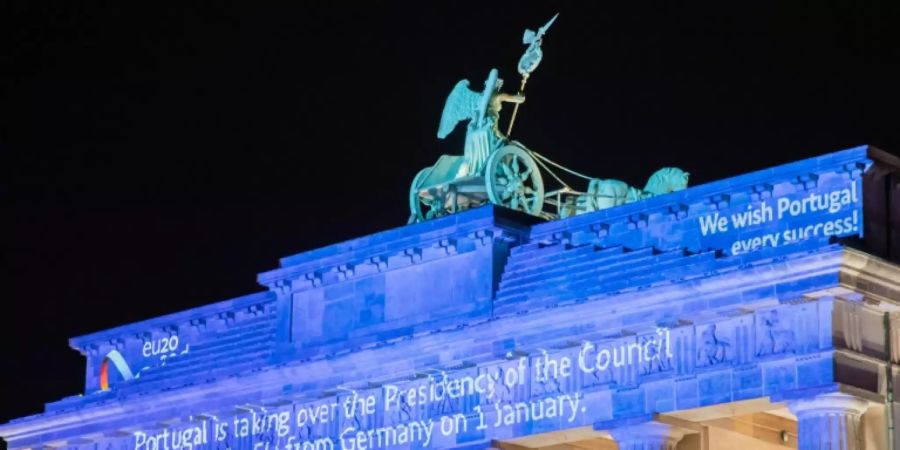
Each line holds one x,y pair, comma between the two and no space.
655,358
550,384
711,350
403,414
503,394
775,338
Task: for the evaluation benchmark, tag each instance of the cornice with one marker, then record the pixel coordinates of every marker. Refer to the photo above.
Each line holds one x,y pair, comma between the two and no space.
870,275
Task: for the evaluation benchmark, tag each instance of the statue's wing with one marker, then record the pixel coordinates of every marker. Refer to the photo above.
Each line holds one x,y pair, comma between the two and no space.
462,104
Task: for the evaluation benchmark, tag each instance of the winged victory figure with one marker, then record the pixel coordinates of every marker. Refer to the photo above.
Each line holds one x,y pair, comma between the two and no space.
482,110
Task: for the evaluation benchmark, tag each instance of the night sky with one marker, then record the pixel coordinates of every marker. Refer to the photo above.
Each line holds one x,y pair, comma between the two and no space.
156,159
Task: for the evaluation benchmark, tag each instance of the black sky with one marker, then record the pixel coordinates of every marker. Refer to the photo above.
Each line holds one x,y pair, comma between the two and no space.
156,157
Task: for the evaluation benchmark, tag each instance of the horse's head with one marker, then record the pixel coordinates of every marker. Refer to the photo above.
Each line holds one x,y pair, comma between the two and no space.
667,179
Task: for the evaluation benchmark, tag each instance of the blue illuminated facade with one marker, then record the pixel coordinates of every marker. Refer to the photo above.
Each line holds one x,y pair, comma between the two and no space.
646,324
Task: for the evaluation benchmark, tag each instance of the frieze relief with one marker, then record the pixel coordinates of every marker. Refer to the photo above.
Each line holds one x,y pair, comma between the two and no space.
774,336
314,420
713,348
655,358
359,407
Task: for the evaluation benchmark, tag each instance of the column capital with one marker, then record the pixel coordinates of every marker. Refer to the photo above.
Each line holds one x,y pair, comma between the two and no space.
834,403
647,435
829,421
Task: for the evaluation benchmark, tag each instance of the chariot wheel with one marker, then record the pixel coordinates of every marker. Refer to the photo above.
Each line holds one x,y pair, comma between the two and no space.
513,180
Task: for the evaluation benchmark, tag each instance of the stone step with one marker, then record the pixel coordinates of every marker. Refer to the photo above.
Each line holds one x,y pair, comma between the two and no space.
632,277
613,262
588,283
211,338
228,336
644,277
208,372
542,252
573,264
615,267
141,385
196,366
517,264
204,352
529,247
246,324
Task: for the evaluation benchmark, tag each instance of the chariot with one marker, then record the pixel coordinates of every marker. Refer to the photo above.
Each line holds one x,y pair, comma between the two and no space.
511,178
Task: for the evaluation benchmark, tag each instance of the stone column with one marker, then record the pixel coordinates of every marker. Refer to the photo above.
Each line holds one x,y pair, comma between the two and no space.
829,421
647,436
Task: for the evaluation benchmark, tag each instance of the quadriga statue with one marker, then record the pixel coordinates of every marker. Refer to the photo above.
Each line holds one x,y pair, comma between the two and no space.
496,170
